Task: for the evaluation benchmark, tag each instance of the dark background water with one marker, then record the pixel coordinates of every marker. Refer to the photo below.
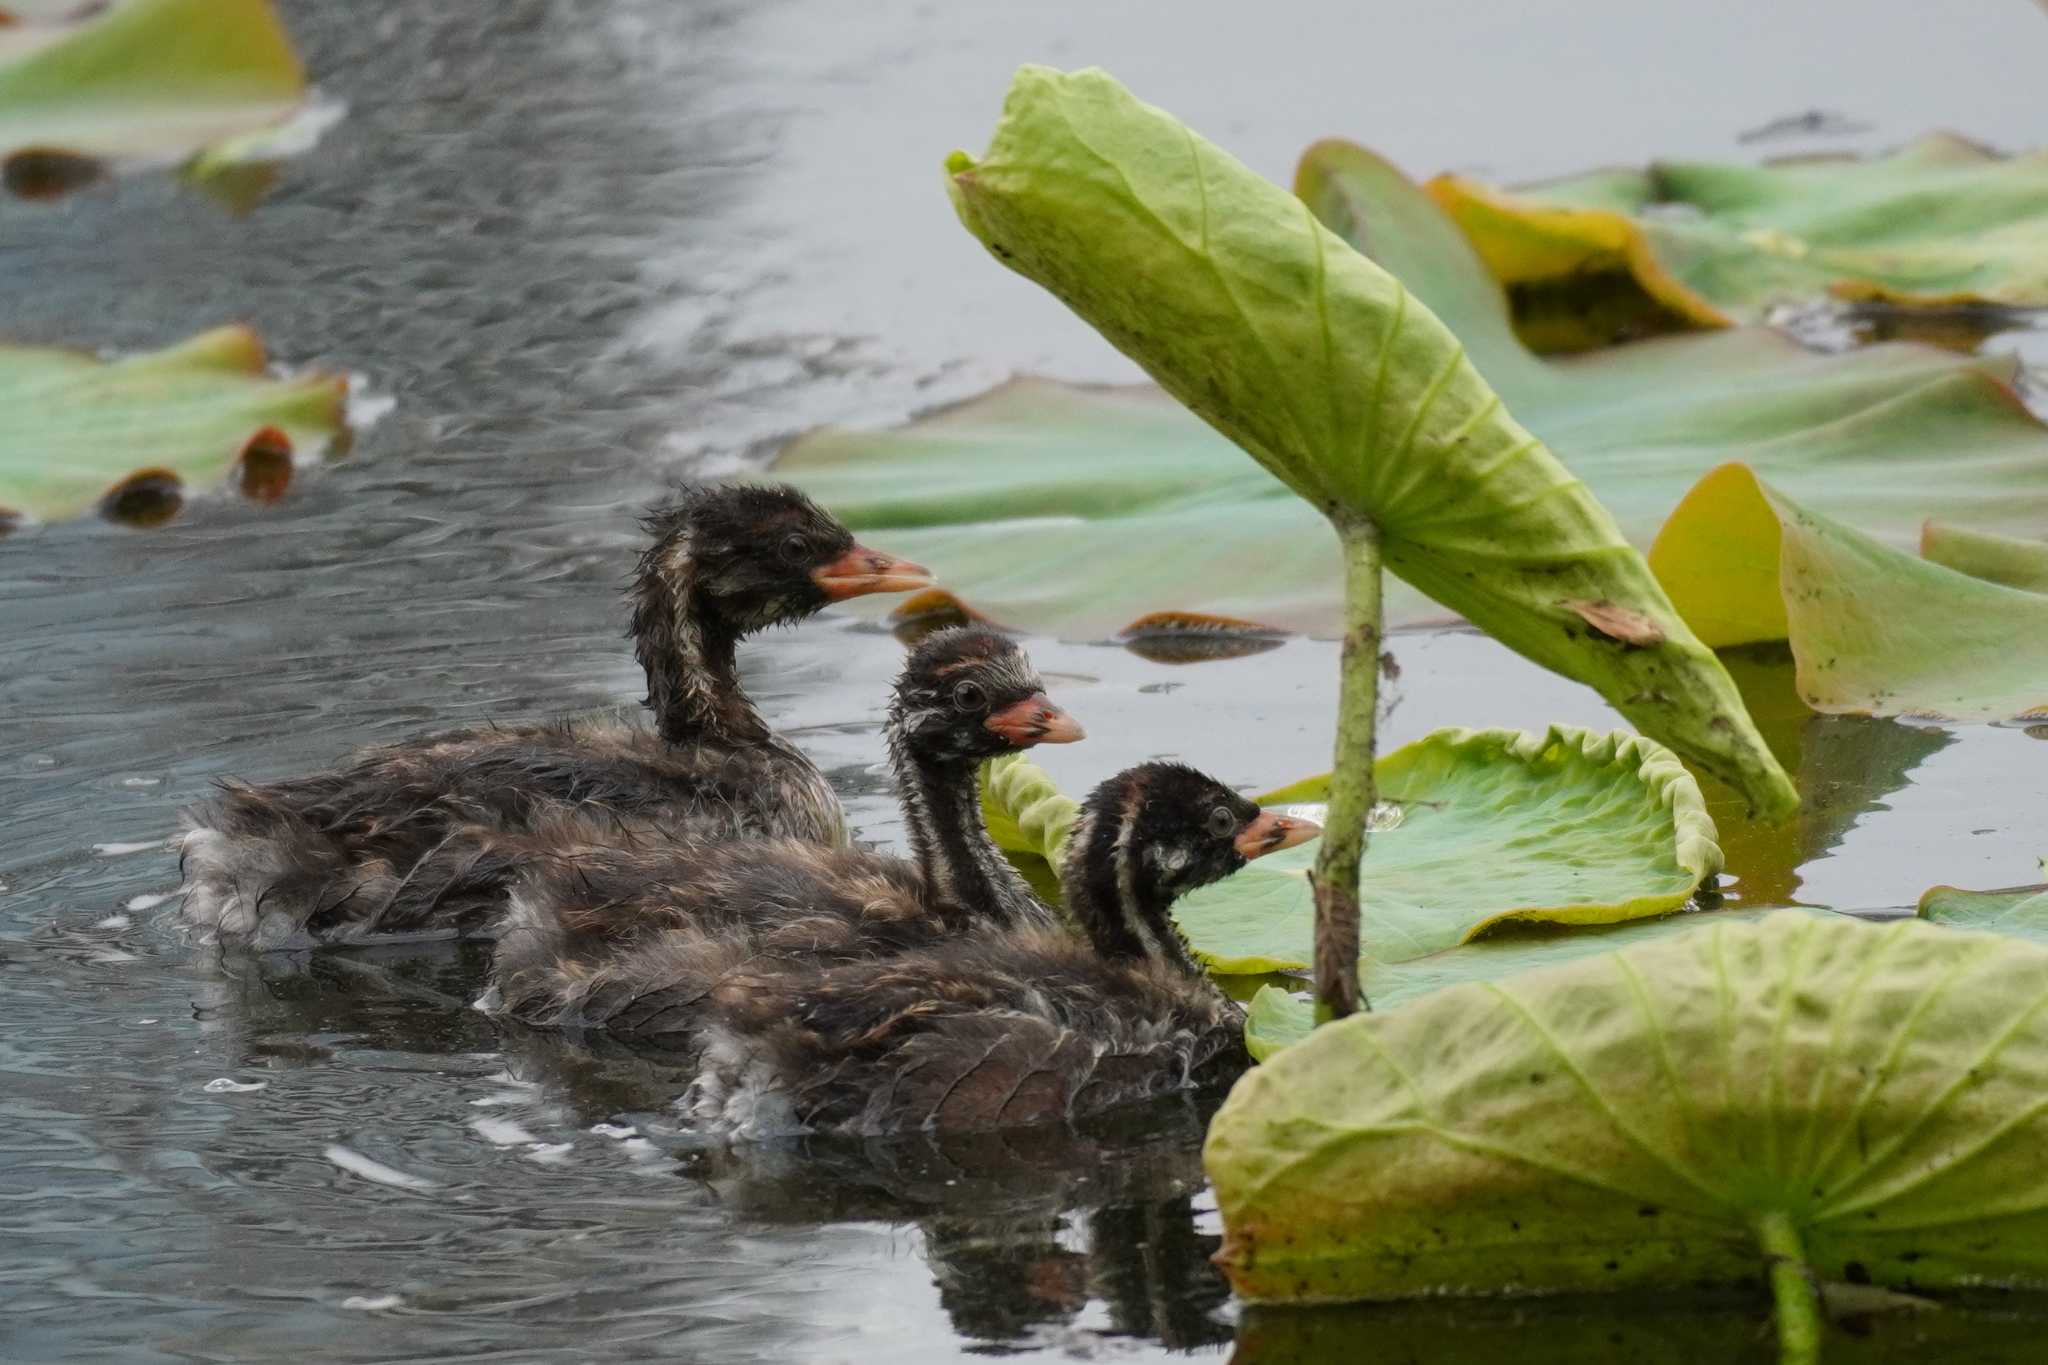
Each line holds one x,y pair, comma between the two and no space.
589,247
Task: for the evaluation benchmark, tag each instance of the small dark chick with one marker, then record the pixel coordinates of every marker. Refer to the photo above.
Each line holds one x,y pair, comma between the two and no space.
992,1027
963,697
389,843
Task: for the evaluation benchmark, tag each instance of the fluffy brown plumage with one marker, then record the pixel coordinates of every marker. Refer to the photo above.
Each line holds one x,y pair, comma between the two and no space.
962,697
800,1024
392,842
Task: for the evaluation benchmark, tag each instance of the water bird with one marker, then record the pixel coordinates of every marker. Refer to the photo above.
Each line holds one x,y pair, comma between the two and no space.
989,1025
387,844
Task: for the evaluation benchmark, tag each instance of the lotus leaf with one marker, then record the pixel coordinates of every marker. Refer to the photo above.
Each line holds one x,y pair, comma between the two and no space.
139,83
76,431
1322,367
1074,510
1804,1091
1983,554
1566,827
1874,631
2021,911
1940,222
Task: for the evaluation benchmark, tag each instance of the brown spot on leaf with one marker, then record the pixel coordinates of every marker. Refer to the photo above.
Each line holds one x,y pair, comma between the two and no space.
1631,628
266,465
48,173
148,497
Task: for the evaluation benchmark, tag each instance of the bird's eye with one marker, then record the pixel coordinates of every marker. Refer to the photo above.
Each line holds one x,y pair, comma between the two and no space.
795,549
1222,822
968,696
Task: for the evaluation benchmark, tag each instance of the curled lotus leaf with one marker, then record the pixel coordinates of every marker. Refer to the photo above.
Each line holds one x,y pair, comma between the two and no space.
1941,222
2011,560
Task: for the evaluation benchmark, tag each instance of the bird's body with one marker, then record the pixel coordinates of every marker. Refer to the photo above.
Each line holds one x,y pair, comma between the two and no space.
865,1008
397,840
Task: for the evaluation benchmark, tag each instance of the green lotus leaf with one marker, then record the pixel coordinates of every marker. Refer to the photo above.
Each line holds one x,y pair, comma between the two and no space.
139,83
1320,365
1568,827
1073,511
1941,222
1874,630
128,435
1278,1018
1861,1100
1491,826
2009,560
2021,911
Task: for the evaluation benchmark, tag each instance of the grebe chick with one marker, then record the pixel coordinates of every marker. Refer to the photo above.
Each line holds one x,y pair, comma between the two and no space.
387,844
963,697
988,1028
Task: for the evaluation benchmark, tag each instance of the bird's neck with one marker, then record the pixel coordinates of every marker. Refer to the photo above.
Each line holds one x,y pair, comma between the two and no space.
958,860
690,657
1123,911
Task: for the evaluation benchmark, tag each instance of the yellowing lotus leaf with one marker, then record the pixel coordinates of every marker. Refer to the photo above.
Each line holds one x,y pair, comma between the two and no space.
1941,222
138,83
1323,368
1874,631
129,435
1804,1091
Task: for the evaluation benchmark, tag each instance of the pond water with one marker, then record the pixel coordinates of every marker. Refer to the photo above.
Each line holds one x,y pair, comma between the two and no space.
586,249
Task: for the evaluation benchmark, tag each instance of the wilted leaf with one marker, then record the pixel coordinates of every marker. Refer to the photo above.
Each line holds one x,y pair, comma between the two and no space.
1982,554
1319,365
1645,1118
1875,631
1940,222
1072,511
1568,827
139,83
132,434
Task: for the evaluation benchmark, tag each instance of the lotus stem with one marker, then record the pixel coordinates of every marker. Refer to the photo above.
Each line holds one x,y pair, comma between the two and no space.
1353,788
1792,1287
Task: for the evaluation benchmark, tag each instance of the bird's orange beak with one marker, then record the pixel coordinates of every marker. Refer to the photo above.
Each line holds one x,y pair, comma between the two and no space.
861,571
1271,831
1035,720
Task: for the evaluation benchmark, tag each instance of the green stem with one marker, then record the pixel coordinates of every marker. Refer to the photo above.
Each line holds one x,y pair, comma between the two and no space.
1792,1287
1353,789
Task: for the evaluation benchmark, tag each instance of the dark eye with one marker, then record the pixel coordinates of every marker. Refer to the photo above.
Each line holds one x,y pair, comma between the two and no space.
795,549
1222,823
968,696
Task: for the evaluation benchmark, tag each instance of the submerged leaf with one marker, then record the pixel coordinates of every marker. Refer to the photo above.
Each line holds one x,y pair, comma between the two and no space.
130,435
1941,222
1875,631
146,82
1321,366
1567,827
1639,1118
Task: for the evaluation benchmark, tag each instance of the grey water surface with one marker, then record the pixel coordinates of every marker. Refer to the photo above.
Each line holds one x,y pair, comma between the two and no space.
584,249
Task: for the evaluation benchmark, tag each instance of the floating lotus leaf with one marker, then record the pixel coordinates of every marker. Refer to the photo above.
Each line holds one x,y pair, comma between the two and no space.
139,83
1565,827
2021,911
1940,222
1862,1099
1072,511
128,435
1874,631
2009,560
